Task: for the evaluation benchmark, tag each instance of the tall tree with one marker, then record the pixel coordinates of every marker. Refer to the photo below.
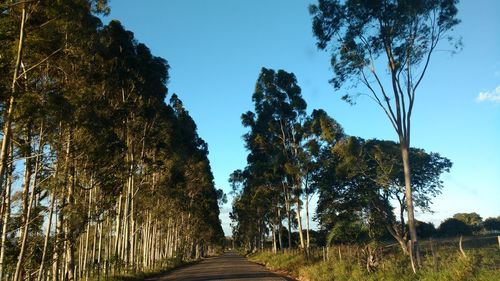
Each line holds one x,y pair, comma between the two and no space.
402,35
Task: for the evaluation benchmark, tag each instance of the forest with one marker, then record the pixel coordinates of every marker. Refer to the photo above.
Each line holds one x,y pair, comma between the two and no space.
98,174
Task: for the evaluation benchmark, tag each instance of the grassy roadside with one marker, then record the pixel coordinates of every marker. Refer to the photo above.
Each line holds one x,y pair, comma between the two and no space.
479,265
139,276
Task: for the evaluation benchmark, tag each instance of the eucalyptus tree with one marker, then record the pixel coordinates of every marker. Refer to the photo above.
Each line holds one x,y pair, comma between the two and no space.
284,147
320,132
366,38
278,99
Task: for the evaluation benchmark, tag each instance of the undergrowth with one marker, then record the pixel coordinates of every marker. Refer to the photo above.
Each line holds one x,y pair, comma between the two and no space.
478,265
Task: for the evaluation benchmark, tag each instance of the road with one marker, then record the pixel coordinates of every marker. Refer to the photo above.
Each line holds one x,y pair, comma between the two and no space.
227,267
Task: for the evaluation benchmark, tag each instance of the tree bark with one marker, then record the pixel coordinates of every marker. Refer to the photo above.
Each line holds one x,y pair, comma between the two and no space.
47,236
69,231
7,127
6,216
280,239
415,251
299,222
84,266
289,215
28,197
307,219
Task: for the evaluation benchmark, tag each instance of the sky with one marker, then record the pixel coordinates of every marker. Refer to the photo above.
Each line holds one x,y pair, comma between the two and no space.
216,49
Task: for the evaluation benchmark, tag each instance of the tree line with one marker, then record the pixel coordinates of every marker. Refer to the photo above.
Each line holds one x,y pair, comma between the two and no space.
293,156
380,49
98,174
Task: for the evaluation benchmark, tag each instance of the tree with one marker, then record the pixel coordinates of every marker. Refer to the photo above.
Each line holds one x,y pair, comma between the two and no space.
402,35
425,230
492,224
453,227
473,220
363,178
275,138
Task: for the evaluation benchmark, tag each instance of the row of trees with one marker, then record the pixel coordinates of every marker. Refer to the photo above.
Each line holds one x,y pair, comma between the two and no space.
284,144
468,224
357,179
293,155
98,175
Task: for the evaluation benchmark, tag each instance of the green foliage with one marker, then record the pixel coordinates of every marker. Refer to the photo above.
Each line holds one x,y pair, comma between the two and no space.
454,227
360,180
492,224
425,230
285,147
357,32
346,232
473,220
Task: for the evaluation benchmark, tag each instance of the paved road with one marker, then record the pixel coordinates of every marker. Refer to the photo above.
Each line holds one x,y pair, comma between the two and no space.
228,267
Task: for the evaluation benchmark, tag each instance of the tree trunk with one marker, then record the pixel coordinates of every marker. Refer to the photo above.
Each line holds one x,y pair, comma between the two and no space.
69,231
299,221
273,229
415,251
99,251
56,258
280,239
47,236
307,220
84,266
6,216
28,197
10,109
118,231
289,215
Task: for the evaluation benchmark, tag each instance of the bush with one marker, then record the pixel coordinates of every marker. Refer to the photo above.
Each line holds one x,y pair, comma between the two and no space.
345,232
454,227
425,230
492,224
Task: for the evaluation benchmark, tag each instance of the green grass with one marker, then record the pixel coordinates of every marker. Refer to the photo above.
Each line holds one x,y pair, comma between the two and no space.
283,262
446,265
139,276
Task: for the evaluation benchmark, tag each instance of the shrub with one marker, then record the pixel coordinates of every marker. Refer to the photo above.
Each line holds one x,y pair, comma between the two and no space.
454,227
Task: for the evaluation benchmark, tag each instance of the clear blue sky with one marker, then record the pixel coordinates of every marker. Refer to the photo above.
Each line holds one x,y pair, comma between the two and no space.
216,49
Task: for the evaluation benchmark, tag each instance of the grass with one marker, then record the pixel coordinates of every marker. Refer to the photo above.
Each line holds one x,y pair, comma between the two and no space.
447,264
171,264
280,262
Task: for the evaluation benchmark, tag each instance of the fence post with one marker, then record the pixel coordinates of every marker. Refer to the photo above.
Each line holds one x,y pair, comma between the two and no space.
461,248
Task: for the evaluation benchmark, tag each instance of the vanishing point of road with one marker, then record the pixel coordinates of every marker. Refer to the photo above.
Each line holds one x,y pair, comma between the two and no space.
227,267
